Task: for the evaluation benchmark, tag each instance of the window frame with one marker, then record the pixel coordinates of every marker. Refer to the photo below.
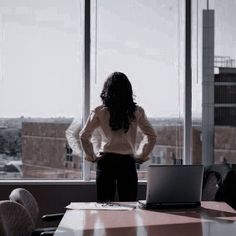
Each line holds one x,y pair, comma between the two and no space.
86,4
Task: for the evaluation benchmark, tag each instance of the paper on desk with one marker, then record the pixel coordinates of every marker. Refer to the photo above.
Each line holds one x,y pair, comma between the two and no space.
98,206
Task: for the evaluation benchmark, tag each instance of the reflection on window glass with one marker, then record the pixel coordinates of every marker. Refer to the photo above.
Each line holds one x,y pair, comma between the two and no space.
144,39
40,87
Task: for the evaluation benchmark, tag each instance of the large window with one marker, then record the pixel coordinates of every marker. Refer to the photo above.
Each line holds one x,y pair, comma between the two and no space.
40,86
42,71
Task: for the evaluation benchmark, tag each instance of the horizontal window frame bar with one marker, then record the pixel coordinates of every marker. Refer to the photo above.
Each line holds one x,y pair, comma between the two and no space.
53,182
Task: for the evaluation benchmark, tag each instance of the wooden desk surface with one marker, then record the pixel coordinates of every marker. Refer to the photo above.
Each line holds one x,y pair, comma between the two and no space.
211,219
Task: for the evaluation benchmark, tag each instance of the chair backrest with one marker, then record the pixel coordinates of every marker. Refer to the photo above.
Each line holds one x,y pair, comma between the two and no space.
25,198
14,219
214,176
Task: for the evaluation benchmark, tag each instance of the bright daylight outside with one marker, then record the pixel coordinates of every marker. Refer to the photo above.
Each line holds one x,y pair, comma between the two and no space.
41,78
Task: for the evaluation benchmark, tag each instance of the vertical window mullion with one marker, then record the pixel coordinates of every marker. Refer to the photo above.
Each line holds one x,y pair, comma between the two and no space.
86,77
188,86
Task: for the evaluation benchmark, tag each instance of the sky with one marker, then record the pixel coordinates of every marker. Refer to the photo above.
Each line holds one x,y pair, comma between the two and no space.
41,53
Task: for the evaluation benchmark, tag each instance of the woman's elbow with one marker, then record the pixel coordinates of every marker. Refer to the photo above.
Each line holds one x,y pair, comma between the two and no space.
153,139
83,136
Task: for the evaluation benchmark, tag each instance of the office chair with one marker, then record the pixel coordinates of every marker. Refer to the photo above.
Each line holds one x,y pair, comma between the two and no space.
26,199
14,219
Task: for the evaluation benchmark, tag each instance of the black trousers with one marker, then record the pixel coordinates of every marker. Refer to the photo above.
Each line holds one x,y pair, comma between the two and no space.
116,172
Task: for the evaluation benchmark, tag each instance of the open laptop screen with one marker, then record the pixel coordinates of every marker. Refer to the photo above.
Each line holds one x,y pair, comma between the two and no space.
170,184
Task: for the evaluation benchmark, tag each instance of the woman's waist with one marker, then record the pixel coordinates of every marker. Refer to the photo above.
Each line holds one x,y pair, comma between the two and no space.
114,154
122,145
118,150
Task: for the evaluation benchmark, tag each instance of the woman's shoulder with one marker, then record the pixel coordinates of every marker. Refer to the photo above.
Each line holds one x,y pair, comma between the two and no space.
139,112
99,109
139,109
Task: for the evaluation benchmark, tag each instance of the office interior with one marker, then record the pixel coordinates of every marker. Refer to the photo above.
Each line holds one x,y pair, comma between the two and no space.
54,58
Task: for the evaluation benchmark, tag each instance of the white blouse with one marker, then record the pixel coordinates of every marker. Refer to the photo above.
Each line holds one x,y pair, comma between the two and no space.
116,141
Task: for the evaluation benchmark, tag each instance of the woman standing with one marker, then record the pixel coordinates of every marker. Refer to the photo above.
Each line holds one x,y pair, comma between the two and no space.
117,120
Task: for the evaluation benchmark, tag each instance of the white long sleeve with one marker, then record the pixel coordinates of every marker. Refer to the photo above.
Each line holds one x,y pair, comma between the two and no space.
72,136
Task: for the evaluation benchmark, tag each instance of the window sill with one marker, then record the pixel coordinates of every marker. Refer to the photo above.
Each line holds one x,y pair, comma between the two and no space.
53,182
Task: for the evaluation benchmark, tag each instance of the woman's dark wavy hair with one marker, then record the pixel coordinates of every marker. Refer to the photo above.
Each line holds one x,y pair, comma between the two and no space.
117,96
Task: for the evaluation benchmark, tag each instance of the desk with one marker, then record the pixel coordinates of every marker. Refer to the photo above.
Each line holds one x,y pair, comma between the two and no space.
211,219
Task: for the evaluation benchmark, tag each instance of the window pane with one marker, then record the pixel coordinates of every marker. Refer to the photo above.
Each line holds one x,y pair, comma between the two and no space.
225,82
144,39
40,87
214,40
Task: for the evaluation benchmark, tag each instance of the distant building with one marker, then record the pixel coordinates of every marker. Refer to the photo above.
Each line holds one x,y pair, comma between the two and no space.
225,97
224,110
45,152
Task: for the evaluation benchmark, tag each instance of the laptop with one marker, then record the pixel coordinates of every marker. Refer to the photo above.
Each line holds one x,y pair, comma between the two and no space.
173,186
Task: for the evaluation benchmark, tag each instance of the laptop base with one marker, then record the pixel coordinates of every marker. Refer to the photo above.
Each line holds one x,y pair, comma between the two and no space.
170,205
